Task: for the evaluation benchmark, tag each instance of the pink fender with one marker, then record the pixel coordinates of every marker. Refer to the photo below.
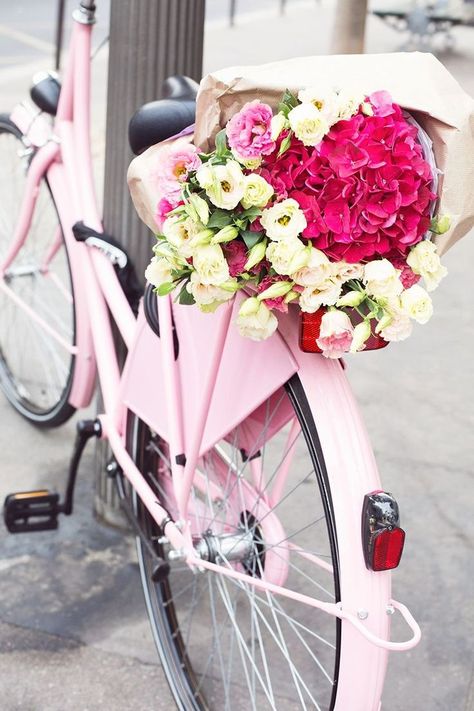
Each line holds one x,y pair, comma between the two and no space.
352,471
249,373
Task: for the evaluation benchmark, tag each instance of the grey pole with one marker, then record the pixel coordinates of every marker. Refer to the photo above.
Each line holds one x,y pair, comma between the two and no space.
149,41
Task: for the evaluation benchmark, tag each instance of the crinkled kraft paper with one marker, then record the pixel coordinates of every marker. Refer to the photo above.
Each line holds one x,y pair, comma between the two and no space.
416,81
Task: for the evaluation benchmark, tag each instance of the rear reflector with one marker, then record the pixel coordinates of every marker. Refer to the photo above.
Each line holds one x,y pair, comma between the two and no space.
382,537
387,548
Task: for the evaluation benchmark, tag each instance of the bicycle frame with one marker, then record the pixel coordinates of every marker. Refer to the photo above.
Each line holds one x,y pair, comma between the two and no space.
62,156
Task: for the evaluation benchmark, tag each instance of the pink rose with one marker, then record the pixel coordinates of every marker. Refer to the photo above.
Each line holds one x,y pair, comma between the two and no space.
335,334
249,130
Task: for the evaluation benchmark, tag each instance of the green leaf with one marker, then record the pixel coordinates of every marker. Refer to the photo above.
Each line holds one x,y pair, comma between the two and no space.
219,219
221,143
185,297
288,102
285,144
167,288
251,238
179,274
251,213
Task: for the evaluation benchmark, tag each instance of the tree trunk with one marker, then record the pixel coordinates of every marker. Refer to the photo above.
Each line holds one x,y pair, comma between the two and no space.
349,27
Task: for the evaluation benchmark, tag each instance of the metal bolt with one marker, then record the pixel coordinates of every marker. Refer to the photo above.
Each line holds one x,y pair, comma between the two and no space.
162,540
362,614
390,610
178,554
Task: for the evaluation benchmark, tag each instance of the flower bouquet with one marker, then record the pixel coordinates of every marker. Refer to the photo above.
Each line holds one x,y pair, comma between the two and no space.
325,205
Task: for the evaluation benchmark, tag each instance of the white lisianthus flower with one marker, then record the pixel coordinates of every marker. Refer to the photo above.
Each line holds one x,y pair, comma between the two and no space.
345,271
352,298
417,304
325,294
198,208
210,264
287,256
398,328
278,123
257,192
158,272
424,260
394,325
382,279
348,104
335,334
324,99
284,219
224,184
317,270
255,320
180,233
256,254
206,295
249,163
308,124
360,335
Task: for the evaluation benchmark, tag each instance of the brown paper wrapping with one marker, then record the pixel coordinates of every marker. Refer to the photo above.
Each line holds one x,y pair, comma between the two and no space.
416,81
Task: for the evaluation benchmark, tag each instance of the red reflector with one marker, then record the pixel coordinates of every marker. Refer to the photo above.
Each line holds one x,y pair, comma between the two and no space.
387,548
309,331
311,323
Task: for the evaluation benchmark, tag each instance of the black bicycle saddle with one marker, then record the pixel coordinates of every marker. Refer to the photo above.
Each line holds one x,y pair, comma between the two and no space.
158,120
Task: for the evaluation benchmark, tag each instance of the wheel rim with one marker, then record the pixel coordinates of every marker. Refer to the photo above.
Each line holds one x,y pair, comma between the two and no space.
229,646
35,367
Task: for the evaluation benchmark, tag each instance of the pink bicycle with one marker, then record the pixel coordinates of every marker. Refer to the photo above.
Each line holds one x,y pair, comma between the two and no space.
265,540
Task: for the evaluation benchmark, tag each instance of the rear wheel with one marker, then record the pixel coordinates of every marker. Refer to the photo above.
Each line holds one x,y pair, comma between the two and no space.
223,643
36,362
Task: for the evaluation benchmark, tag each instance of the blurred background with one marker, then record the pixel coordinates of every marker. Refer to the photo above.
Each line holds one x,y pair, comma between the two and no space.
73,629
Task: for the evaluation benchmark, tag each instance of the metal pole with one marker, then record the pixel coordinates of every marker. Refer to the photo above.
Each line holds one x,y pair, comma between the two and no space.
149,41
59,33
232,9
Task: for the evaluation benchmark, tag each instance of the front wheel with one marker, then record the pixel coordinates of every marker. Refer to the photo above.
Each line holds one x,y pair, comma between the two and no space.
260,504
37,322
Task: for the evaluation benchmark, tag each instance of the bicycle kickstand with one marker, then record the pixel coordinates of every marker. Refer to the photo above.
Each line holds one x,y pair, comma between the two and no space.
38,510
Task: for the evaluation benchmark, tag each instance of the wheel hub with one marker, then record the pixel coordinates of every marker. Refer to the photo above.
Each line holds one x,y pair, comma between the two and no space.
237,546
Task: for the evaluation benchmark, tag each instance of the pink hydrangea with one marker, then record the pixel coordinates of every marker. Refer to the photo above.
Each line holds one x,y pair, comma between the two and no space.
365,189
175,164
249,130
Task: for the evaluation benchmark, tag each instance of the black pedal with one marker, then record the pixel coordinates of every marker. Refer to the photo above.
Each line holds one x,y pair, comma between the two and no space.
31,511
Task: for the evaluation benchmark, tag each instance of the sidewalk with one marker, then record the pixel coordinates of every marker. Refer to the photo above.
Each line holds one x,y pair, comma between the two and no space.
73,630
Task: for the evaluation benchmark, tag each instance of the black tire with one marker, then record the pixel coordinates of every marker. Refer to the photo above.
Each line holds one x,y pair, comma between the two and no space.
33,401
190,692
